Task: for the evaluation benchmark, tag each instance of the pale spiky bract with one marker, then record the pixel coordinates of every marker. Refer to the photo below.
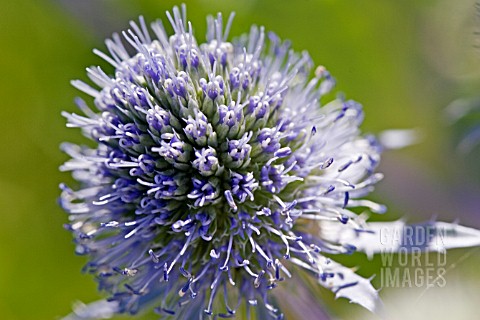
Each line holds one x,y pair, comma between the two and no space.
213,164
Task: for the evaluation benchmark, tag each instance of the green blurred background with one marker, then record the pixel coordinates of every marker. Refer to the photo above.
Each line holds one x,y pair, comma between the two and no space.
405,61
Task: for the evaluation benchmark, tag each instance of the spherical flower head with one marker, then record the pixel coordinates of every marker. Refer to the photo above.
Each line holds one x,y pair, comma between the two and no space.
213,168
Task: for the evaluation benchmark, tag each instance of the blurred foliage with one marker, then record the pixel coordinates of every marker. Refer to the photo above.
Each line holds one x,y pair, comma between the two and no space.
405,61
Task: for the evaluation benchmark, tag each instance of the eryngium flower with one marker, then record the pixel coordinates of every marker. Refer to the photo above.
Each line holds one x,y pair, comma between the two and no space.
212,167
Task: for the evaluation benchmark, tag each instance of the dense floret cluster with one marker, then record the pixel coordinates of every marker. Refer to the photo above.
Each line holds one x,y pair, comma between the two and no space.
212,167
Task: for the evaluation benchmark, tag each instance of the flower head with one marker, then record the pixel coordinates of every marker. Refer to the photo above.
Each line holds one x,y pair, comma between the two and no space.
213,167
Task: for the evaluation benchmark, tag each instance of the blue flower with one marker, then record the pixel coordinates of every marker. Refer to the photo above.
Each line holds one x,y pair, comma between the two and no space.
214,167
